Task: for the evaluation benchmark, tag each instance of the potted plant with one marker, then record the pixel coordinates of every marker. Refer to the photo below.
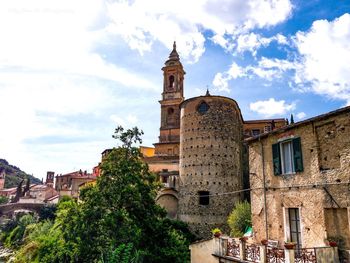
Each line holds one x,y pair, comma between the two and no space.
289,245
244,239
333,241
216,232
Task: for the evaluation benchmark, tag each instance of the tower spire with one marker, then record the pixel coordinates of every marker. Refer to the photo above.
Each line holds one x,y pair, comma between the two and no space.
207,93
174,55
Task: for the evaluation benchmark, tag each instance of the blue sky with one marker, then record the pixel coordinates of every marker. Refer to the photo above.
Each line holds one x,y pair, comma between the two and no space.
71,71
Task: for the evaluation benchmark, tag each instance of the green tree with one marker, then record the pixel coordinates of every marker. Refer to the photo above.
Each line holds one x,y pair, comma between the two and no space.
239,219
3,200
116,220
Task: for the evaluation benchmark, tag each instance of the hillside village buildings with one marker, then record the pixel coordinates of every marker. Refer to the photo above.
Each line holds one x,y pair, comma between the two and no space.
208,157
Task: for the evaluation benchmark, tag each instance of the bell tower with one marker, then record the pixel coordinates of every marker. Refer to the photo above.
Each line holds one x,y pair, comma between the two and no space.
172,96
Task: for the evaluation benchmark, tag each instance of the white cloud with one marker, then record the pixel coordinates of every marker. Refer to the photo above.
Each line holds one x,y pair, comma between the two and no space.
221,80
325,55
268,69
252,42
127,121
301,115
271,69
164,21
59,36
271,107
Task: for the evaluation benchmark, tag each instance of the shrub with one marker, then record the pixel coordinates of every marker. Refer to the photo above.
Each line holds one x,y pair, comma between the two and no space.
239,219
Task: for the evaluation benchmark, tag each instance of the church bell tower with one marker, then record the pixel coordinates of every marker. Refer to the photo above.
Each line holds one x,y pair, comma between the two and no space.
172,96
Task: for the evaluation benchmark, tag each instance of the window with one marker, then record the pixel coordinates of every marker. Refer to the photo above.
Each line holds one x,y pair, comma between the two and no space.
287,157
203,197
294,226
255,132
267,128
170,111
171,81
203,107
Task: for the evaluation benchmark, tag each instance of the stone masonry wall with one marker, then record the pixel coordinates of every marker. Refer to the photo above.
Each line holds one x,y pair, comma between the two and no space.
210,160
323,184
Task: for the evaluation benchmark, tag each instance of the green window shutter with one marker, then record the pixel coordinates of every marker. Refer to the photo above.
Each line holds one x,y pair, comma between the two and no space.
276,157
298,157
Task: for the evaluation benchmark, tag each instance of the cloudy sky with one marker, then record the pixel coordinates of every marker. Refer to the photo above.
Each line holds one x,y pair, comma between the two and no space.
71,71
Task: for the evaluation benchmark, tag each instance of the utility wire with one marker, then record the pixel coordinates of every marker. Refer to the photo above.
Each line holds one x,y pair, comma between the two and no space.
314,185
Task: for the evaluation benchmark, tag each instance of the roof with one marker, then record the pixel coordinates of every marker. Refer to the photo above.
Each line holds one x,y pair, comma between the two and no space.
75,174
212,96
298,124
38,187
174,55
161,158
53,197
265,120
10,190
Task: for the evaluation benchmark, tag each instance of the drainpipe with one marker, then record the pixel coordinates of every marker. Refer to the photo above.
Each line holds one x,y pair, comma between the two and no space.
264,185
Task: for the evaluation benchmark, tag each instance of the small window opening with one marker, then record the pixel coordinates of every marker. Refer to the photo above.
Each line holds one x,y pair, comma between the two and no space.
170,111
203,197
203,107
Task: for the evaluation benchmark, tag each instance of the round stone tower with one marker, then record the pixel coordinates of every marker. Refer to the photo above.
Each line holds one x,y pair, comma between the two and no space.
210,162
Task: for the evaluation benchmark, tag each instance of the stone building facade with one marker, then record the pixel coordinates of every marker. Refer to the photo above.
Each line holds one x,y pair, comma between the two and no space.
300,177
210,161
69,184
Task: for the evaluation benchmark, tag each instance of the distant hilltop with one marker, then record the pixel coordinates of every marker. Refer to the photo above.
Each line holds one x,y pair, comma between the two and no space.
13,174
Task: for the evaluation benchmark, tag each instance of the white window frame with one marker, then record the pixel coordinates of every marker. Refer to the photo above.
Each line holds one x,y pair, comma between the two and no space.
286,222
283,165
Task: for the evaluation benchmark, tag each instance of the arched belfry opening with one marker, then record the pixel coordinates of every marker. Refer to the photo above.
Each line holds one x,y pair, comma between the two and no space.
171,81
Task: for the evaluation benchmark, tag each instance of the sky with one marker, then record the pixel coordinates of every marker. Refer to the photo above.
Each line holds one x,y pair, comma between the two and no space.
72,71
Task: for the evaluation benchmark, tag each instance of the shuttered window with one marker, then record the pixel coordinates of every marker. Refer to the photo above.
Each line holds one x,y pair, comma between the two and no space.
287,157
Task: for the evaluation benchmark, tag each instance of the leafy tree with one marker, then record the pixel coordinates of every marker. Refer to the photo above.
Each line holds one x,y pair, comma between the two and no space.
240,219
116,220
48,212
14,237
3,200
121,209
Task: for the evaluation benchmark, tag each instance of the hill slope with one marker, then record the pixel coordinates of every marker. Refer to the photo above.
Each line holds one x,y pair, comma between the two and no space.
14,175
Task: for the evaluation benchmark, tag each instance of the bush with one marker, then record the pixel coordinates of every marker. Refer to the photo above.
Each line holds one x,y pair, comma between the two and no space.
3,200
47,212
240,219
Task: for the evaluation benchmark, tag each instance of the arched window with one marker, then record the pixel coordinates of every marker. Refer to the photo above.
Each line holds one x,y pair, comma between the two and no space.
171,81
170,111
203,107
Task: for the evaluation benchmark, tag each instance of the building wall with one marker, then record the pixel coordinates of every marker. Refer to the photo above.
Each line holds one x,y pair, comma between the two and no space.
169,201
157,167
323,183
147,151
210,160
202,251
261,126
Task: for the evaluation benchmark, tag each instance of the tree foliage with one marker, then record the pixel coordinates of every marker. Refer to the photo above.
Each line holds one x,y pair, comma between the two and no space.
3,200
115,220
239,219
